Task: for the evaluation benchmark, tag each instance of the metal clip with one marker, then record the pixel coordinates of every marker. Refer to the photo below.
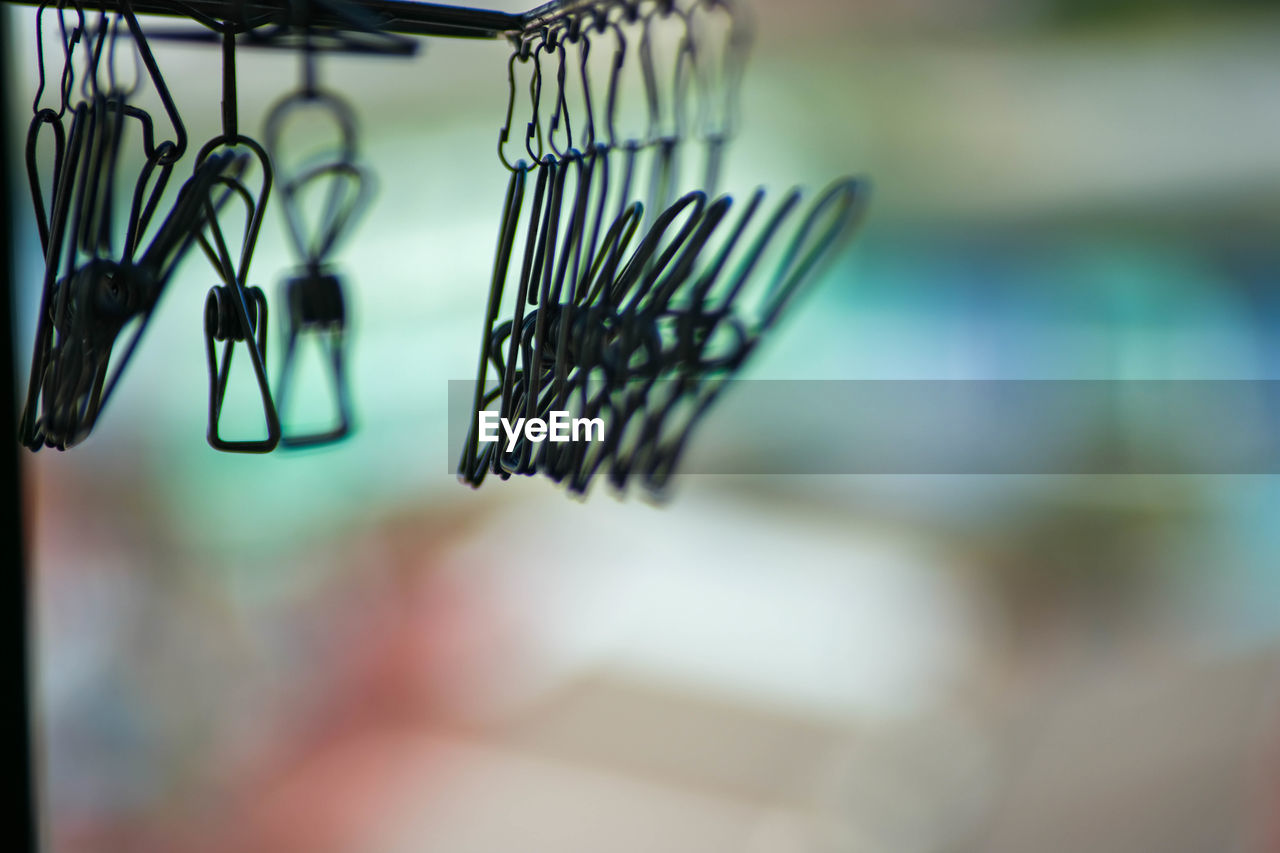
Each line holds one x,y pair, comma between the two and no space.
314,295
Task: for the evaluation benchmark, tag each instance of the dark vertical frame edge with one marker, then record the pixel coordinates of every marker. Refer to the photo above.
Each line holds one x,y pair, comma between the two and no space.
16,741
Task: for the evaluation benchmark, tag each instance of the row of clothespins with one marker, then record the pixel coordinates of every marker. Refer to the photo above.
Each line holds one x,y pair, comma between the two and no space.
613,299
620,292
102,281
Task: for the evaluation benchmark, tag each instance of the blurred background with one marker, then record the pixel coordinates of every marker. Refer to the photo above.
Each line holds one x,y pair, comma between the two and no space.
345,651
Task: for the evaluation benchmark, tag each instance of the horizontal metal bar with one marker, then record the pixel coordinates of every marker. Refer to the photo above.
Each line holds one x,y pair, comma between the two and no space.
404,17
203,36
548,12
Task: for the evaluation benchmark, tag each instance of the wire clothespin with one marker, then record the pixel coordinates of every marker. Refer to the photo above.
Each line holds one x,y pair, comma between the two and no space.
314,294
234,311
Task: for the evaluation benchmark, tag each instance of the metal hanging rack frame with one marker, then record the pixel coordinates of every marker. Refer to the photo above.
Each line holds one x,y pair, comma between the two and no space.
400,17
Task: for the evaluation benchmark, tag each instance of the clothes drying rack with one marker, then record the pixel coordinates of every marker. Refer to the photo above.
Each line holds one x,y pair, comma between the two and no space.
401,17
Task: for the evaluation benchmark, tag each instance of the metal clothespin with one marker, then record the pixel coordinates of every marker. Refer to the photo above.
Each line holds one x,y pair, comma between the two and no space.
314,295
235,312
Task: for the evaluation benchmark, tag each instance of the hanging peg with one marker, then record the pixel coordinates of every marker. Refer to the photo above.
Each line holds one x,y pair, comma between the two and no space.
234,311
314,294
